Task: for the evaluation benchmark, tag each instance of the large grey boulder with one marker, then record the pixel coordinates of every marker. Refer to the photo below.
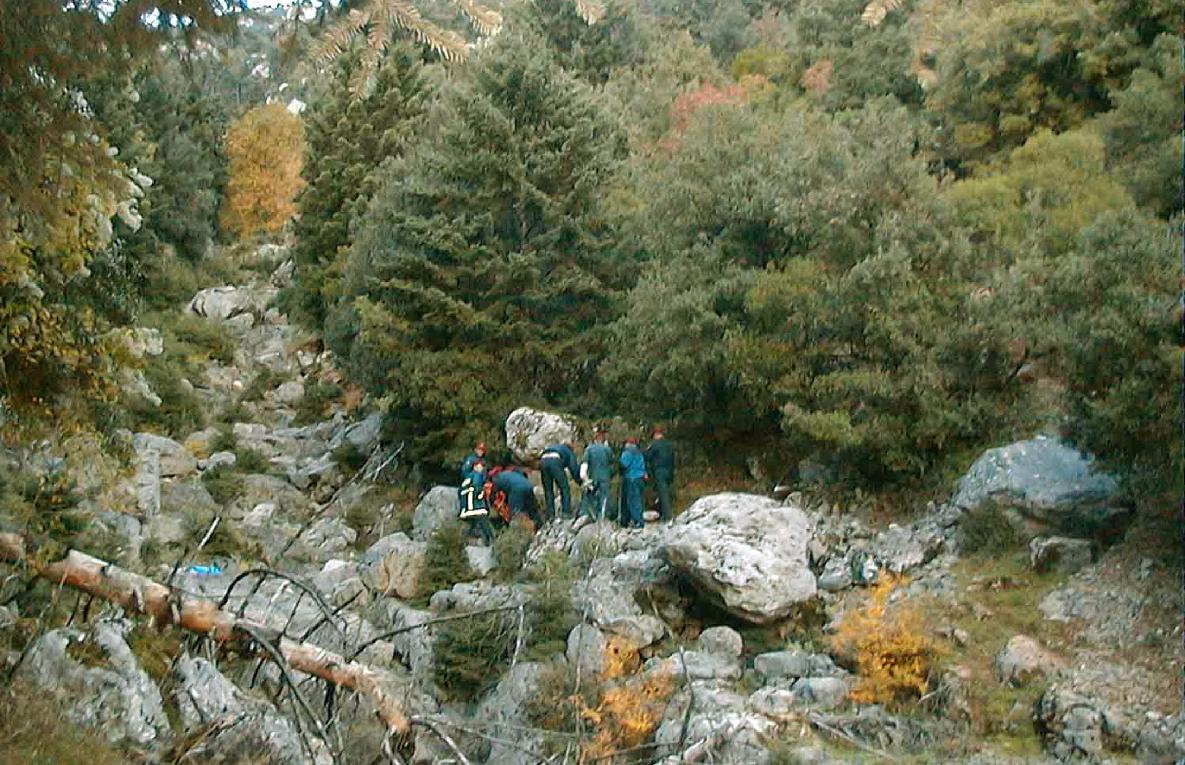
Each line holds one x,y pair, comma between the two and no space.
1046,481
745,553
109,692
392,565
228,302
530,431
187,498
235,727
437,507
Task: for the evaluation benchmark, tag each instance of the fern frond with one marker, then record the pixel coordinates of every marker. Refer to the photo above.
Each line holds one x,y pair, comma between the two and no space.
876,11
486,21
591,11
447,44
340,35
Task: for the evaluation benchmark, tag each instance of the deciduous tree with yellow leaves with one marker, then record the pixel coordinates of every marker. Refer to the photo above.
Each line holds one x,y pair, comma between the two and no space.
264,148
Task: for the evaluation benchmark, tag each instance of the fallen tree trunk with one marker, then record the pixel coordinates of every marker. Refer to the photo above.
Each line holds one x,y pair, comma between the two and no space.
140,595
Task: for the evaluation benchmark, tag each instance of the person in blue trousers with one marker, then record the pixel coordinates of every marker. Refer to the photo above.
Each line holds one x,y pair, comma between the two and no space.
633,473
474,509
555,460
596,473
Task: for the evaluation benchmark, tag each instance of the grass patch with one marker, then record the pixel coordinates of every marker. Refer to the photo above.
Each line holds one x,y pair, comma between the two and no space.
998,599
34,730
350,457
382,510
224,441
264,381
155,650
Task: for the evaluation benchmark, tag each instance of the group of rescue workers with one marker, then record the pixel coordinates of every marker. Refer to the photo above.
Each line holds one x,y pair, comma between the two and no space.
502,493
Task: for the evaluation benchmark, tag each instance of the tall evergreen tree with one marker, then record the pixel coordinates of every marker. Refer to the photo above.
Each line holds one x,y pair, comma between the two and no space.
347,139
481,276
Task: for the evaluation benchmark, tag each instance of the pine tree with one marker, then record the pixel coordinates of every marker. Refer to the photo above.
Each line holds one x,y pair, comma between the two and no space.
347,140
481,276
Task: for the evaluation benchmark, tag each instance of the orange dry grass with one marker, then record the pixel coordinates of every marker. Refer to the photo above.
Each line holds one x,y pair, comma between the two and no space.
627,714
893,654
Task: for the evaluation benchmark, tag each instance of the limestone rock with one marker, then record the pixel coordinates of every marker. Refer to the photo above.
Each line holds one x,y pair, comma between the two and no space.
1059,554
746,553
1024,659
1071,725
777,665
720,640
530,431
173,458
822,692
235,727
289,393
217,460
392,565
227,302
1047,482
481,559
437,507
586,650
187,498
721,727
114,695
503,715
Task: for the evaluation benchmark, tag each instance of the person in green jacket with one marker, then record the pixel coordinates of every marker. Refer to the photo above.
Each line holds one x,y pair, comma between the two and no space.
596,473
660,463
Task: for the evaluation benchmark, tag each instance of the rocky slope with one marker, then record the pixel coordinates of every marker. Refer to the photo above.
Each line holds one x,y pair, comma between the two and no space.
714,638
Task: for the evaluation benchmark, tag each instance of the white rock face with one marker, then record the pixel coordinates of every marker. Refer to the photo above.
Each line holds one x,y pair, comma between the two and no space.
227,302
530,431
745,552
115,695
438,506
392,565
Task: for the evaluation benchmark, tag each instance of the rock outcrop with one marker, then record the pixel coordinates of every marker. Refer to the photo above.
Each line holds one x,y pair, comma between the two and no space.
530,431
1048,483
745,553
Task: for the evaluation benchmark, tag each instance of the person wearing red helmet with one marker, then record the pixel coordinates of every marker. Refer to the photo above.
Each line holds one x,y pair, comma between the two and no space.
478,455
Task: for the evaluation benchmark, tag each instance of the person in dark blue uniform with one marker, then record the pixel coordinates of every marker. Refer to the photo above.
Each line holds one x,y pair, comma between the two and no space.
596,474
555,460
660,464
520,494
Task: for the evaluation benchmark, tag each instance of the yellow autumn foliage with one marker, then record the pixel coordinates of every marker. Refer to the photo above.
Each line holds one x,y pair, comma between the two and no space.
264,148
891,649
626,716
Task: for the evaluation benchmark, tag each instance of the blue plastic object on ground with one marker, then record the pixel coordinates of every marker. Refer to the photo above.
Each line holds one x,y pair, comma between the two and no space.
206,570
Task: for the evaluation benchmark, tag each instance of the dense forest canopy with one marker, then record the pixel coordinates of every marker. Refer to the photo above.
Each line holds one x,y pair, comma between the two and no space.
862,237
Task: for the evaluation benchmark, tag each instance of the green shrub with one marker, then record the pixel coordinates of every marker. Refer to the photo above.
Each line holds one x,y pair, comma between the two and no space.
350,457
249,460
181,410
264,381
470,653
224,483
510,548
988,529
224,441
44,504
550,614
199,338
315,402
445,561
